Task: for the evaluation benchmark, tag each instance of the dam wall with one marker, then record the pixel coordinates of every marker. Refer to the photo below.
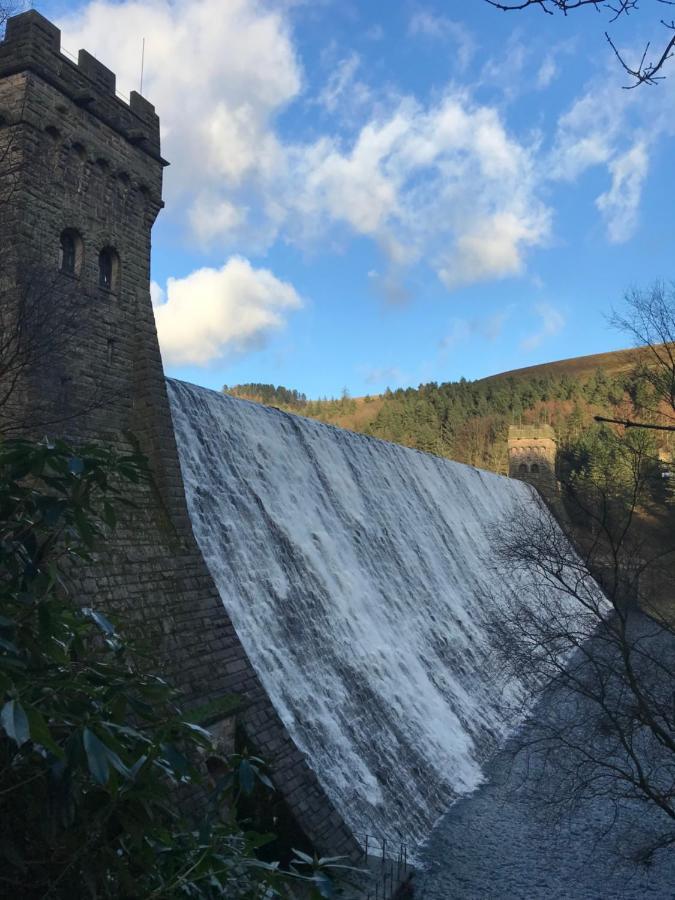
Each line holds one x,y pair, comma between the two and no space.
356,572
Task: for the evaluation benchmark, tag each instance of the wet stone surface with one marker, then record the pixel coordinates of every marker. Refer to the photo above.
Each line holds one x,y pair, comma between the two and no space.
495,845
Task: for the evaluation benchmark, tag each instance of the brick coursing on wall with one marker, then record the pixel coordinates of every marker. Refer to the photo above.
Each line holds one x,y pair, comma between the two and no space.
75,156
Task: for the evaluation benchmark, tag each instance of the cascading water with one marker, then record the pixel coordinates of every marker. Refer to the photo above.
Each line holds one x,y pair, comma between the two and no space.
353,571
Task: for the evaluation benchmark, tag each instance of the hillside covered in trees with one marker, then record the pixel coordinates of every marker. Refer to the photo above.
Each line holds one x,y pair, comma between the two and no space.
468,420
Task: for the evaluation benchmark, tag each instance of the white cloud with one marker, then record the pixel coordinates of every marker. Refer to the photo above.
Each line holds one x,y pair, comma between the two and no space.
458,332
606,127
488,328
342,85
374,33
444,183
386,376
157,295
619,205
426,24
218,73
589,132
494,249
391,286
551,322
211,220
212,313
508,69
491,327
548,71
522,65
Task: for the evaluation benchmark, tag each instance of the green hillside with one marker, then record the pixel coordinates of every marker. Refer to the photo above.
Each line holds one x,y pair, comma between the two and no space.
468,420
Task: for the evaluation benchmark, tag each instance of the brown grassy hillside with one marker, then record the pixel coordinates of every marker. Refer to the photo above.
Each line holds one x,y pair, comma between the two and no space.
614,363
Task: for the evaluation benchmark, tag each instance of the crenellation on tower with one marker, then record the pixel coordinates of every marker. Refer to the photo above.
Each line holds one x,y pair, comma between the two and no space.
101,75
33,44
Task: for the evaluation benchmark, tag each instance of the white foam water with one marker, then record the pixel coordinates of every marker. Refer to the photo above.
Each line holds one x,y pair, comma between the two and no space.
354,571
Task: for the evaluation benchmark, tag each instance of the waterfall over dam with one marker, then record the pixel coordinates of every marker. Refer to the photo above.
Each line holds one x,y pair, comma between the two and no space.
353,571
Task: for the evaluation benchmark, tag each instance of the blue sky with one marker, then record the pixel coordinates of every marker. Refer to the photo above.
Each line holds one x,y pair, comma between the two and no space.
372,194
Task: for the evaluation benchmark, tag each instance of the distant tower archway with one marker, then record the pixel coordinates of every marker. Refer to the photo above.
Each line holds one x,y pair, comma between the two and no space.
532,454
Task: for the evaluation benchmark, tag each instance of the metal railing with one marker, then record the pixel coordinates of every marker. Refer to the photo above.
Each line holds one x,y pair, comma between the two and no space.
388,865
71,56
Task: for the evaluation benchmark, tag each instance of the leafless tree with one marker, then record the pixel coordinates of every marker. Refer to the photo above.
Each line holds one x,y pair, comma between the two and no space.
8,9
601,662
480,443
649,319
647,69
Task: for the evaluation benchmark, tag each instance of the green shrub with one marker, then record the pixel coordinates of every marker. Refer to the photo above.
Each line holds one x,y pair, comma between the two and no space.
93,750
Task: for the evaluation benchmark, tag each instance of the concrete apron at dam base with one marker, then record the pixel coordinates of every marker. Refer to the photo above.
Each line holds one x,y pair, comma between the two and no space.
507,842
490,846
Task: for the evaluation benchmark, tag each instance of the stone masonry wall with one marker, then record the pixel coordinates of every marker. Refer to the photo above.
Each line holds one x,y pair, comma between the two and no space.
532,456
76,157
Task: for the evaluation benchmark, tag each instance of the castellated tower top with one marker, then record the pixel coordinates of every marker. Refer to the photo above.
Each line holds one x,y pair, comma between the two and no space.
32,43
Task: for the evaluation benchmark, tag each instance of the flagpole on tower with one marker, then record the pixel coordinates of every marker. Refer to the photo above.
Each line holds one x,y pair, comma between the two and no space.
142,65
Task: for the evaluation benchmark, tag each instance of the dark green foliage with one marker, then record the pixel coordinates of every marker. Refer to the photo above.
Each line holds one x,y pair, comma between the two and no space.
293,401
94,751
468,420
268,394
619,472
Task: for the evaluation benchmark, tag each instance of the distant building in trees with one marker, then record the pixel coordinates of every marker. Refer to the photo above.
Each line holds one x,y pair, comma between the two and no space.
667,467
532,454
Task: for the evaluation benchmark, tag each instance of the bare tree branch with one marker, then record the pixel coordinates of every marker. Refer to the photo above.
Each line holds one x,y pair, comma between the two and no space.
645,71
629,423
649,319
603,670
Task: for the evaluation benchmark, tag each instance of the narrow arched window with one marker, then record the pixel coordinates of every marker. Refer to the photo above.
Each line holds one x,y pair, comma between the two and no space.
534,468
70,252
522,467
108,269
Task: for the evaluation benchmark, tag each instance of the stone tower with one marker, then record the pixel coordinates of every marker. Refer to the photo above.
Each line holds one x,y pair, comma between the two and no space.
80,188
532,455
